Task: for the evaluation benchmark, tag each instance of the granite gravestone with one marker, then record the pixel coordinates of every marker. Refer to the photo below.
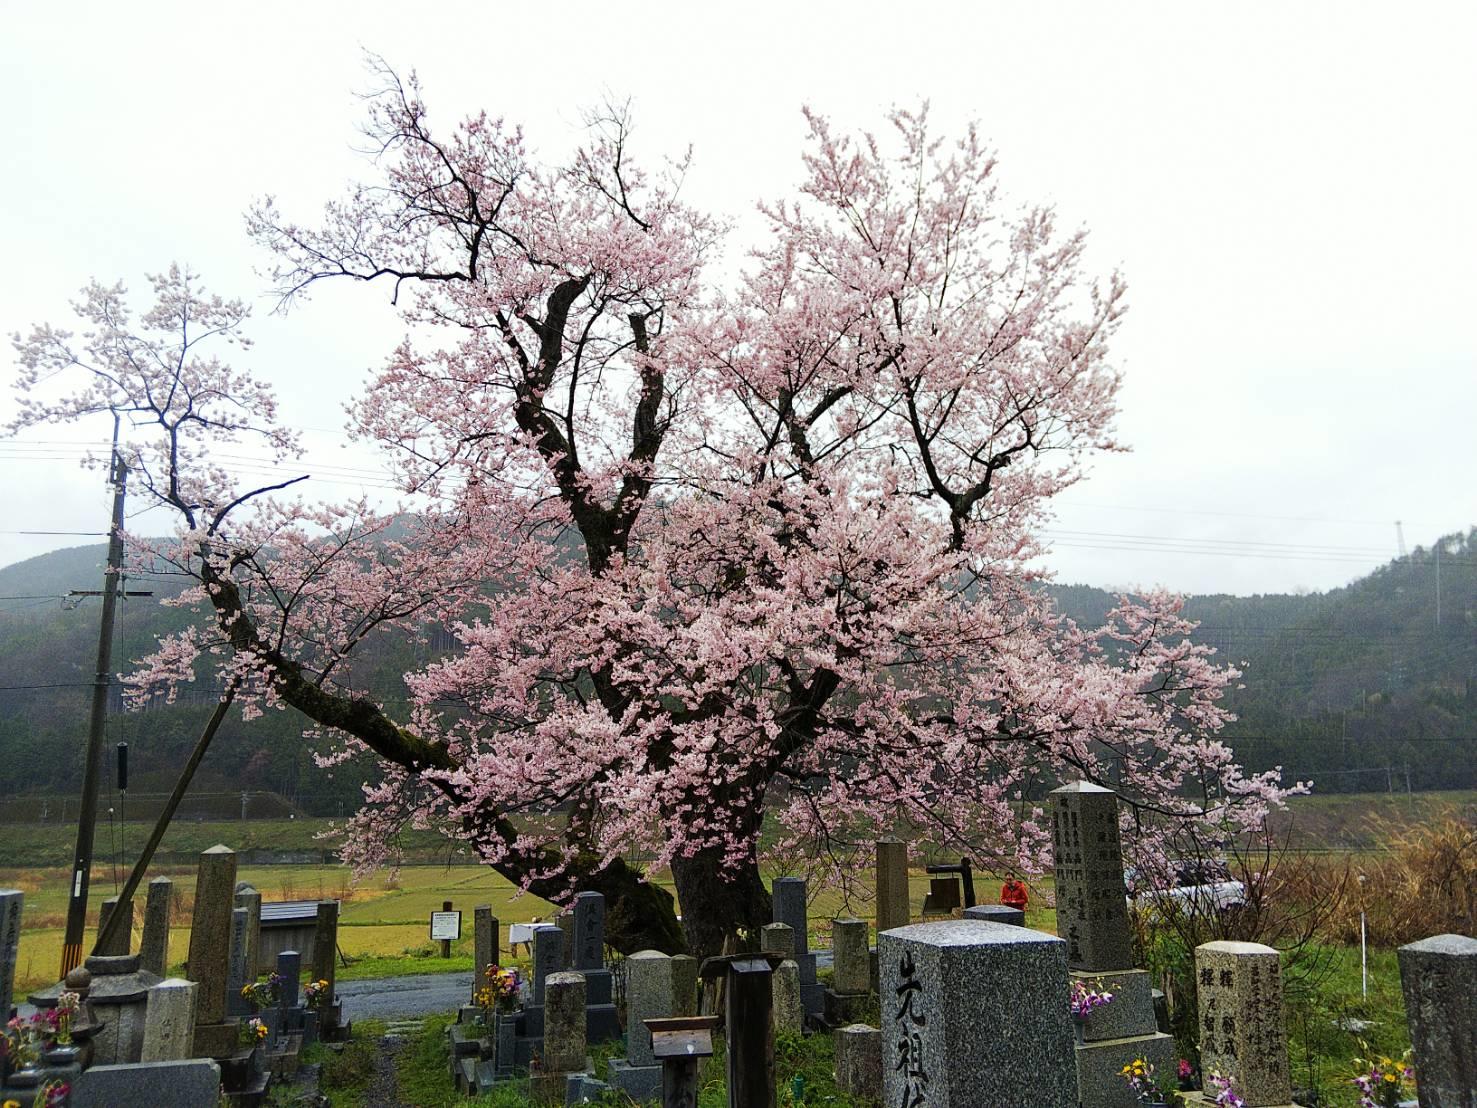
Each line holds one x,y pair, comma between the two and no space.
648,996
191,1084
210,951
1091,906
548,956
589,952
1092,913
1239,986
975,1015
290,969
1438,977
153,948
169,1021
893,909
11,903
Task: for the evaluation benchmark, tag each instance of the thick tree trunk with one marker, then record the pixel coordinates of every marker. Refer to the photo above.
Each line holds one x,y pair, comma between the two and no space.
719,903
638,915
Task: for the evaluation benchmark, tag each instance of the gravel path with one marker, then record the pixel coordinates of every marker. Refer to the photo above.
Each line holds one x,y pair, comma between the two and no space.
389,998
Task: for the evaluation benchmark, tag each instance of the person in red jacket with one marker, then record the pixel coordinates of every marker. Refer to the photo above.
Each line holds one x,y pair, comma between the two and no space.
1013,893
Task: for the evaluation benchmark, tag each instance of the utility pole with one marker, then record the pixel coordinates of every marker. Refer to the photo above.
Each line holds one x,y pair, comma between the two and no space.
87,817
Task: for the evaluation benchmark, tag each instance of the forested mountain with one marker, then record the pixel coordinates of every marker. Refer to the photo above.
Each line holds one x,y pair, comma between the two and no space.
1359,688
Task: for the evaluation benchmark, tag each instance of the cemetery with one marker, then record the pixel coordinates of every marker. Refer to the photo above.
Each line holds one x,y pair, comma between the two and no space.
919,1005
684,702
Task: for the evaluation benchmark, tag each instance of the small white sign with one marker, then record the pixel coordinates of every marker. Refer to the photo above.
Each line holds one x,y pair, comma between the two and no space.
446,926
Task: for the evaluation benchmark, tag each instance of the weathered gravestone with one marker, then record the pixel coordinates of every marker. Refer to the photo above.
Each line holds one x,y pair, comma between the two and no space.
974,1015
1092,915
325,960
240,973
247,897
789,896
548,956
564,1031
117,996
859,1061
648,996
153,948
169,1021
190,1084
1438,977
484,945
777,938
789,1012
122,937
210,951
893,907
290,969
589,951
851,975
1239,986
11,903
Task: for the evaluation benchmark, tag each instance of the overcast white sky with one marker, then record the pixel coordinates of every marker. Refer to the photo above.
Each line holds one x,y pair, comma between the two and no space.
1288,187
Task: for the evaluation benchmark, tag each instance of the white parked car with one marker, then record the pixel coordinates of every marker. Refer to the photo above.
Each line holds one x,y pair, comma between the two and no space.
1203,885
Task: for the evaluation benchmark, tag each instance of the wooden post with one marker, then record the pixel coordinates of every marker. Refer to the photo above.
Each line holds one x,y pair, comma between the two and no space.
679,1082
446,943
680,1043
750,1022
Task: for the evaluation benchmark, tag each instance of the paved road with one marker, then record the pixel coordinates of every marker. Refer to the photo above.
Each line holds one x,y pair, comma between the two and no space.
388,998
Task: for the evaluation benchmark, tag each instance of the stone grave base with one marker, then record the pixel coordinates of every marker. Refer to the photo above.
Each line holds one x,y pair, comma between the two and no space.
1100,1065
553,1088
195,1083
844,1008
1130,1012
1195,1100
602,1025
597,985
640,1083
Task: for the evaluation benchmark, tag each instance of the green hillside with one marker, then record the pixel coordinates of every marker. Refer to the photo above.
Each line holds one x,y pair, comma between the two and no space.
1359,688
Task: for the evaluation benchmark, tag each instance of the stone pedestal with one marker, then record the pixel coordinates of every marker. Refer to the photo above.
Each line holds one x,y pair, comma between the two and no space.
859,1061
975,1015
894,908
153,948
117,997
169,1021
1438,977
1240,992
187,1084
777,938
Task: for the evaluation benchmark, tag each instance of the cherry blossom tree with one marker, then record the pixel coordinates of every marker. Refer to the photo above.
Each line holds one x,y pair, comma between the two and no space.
714,552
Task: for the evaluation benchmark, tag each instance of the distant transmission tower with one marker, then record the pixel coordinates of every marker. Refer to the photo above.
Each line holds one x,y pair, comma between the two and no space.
1400,538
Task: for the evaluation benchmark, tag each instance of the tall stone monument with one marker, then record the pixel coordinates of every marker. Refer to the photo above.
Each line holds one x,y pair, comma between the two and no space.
1242,1037
153,948
790,896
893,906
240,969
564,1034
1092,916
325,950
11,902
974,1015
1438,977
648,996
851,976
210,951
